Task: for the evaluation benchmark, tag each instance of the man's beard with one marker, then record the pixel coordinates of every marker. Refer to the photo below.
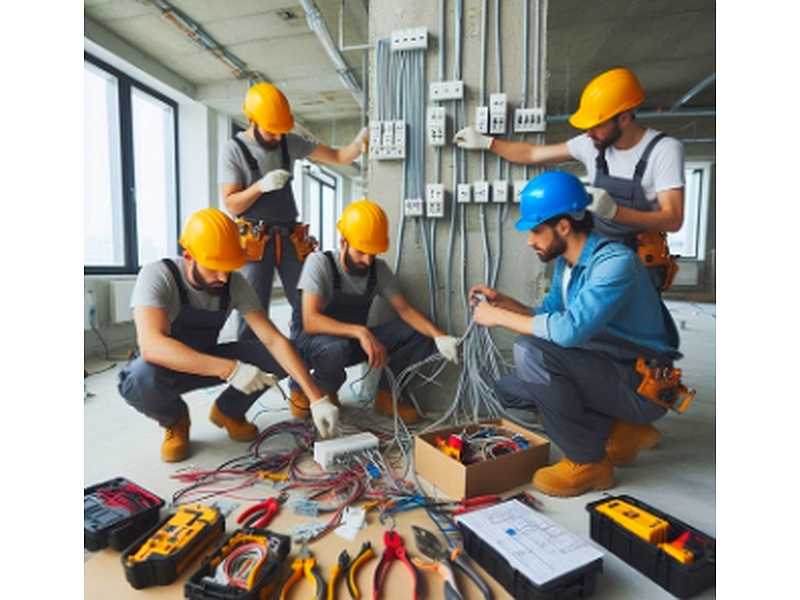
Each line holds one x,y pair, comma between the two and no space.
610,141
264,143
554,250
353,268
214,290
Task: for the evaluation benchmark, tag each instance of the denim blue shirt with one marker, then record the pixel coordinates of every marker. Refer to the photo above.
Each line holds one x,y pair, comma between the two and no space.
610,303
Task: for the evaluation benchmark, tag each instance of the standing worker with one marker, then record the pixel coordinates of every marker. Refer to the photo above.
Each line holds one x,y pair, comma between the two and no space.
576,358
641,169
336,294
256,168
179,307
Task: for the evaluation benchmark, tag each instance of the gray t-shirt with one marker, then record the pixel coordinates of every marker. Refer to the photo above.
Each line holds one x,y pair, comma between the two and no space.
155,286
233,167
317,278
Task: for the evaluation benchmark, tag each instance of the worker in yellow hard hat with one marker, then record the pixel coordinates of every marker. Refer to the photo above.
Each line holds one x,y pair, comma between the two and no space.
179,307
640,169
336,294
255,171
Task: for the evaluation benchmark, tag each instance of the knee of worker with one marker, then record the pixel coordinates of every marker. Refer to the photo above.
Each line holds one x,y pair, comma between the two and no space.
254,352
512,392
530,354
145,387
329,353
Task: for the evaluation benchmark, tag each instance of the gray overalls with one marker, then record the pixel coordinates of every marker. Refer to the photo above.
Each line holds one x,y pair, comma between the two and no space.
278,210
156,391
328,355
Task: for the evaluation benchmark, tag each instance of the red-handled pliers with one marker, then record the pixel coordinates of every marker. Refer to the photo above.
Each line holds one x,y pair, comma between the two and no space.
394,550
261,514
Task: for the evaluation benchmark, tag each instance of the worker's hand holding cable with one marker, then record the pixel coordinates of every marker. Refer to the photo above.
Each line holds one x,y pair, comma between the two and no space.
470,138
249,378
602,204
447,346
325,416
274,180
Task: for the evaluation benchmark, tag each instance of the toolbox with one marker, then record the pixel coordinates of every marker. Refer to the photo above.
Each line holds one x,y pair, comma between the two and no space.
246,566
676,556
116,512
529,554
160,555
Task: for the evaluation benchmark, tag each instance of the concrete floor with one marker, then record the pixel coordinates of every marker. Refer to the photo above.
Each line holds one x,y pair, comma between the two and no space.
678,476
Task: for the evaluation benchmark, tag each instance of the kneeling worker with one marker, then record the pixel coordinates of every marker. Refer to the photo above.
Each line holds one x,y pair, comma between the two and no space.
336,293
179,307
576,358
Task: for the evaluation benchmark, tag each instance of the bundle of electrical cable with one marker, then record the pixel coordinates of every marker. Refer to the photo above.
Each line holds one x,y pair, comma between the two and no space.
241,566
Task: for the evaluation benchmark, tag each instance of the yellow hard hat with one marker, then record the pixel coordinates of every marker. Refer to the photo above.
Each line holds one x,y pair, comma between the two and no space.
268,108
212,239
365,227
606,96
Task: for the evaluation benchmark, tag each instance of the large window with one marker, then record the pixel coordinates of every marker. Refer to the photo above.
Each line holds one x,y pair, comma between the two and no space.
690,241
130,204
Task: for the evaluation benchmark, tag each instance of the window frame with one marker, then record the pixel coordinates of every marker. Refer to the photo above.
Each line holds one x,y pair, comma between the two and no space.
125,86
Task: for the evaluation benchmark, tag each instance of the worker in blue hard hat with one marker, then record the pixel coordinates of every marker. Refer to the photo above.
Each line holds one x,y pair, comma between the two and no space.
575,359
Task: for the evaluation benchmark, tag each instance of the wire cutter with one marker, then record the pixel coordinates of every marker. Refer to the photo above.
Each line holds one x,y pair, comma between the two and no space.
394,549
443,561
347,569
260,515
305,564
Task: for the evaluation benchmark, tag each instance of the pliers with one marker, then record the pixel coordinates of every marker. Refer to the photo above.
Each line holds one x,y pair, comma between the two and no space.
347,569
443,561
261,514
394,549
305,564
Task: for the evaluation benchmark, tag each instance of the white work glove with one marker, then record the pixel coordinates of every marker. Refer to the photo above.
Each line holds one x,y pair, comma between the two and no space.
249,378
447,346
602,204
274,180
362,140
472,139
325,415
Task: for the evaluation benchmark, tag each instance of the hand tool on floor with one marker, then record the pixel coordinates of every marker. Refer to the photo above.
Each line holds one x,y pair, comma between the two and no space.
260,515
443,561
305,564
393,550
350,567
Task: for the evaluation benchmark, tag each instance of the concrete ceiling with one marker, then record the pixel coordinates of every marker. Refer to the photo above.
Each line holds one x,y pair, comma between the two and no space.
219,46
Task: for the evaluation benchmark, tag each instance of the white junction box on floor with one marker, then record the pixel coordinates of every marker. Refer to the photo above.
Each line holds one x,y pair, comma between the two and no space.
330,452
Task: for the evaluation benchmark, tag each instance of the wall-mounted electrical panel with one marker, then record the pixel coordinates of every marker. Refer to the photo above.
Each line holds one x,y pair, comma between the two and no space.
463,193
413,38
480,191
500,191
413,207
434,200
482,119
436,125
529,120
519,185
498,113
387,140
446,90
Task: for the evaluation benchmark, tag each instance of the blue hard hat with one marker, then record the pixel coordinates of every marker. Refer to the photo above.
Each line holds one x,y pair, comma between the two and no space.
550,194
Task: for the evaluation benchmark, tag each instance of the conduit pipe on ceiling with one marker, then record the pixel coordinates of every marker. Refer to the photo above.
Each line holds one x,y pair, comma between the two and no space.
318,26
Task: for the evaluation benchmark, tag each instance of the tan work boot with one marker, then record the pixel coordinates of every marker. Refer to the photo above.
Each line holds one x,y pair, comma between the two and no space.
384,405
298,404
626,440
566,478
240,430
175,446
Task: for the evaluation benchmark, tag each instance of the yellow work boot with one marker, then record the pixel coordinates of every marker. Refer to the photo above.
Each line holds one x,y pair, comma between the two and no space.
175,446
626,440
240,430
384,405
298,404
566,478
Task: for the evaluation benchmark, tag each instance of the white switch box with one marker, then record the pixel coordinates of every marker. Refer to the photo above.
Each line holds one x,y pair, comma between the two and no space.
446,90
413,207
529,120
519,185
413,38
480,191
482,119
498,111
328,453
434,200
500,191
436,125
463,193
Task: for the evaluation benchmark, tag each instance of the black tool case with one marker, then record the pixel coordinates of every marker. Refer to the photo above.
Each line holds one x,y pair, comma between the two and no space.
579,583
202,585
116,512
681,580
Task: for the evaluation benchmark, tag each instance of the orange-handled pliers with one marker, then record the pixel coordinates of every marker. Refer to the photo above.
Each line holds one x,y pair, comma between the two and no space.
305,564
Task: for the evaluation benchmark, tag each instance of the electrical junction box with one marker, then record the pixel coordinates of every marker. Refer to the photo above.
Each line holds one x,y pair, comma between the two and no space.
480,191
446,90
434,200
463,193
329,453
500,191
387,140
413,207
498,113
413,38
436,125
519,185
529,120
482,119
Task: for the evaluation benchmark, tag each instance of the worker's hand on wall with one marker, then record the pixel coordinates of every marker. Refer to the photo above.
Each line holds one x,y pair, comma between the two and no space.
447,346
362,140
472,139
249,378
602,203
274,180
325,416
